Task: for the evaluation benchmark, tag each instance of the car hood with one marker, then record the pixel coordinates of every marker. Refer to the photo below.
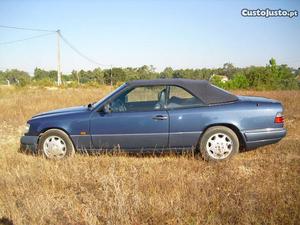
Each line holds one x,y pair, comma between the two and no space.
63,111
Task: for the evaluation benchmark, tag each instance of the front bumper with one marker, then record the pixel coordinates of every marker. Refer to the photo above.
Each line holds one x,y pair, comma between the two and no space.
29,143
260,137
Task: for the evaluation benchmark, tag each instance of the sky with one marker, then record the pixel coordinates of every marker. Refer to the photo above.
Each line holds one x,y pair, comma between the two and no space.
178,34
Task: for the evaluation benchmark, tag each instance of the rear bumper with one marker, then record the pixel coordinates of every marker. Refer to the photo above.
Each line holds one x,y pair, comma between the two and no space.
260,137
29,143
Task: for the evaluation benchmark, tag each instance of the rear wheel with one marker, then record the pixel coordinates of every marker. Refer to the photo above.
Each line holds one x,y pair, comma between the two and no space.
218,143
56,144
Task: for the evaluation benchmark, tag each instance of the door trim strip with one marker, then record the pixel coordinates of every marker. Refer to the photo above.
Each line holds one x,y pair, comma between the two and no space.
182,132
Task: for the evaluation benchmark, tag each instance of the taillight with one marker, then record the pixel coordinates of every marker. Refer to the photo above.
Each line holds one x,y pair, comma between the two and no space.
279,118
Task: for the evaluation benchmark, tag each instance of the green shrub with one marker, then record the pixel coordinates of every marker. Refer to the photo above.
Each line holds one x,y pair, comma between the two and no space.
239,81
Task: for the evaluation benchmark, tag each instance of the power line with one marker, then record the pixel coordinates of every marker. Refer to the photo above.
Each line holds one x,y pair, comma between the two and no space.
80,53
51,32
25,39
24,28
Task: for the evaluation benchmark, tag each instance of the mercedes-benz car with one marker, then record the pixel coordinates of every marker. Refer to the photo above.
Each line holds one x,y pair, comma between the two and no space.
159,115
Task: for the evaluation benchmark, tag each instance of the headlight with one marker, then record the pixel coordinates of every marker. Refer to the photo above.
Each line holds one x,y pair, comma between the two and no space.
26,129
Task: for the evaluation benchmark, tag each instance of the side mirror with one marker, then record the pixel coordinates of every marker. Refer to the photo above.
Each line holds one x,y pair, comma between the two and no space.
107,108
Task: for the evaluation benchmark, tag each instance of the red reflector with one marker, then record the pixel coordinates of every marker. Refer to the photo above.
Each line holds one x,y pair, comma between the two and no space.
279,118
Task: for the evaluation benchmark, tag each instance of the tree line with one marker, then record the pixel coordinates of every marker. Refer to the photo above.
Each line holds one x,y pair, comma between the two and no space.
269,77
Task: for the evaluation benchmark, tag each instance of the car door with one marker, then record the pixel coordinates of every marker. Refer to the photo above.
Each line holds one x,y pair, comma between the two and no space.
137,120
186,119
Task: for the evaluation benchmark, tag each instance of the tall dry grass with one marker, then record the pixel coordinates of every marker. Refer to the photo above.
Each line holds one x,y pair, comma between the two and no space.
256,187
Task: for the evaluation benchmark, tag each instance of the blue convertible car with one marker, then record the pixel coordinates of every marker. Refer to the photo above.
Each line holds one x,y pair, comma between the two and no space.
164,114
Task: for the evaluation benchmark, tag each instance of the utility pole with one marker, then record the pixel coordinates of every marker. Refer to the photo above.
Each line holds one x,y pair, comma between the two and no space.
111,81
58,59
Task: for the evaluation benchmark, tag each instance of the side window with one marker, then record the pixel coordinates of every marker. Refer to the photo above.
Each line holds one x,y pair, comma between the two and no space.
146,98
180,98
144,94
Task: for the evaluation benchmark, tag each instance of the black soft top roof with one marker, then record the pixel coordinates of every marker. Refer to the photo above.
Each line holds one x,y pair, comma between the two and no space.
202,89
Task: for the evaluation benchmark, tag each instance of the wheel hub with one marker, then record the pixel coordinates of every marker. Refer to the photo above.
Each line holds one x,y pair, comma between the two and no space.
54,147
219,146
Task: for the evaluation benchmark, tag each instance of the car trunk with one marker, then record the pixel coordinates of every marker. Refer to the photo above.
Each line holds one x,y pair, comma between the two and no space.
257,99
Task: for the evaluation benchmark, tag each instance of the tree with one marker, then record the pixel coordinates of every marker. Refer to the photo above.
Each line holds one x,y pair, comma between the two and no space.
45,77
147,72
239,81
167,73
269,77
75,76
217,80
228,70
15,76
114,75
99,75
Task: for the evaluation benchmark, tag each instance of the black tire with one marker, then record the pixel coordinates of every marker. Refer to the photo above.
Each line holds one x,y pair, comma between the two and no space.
213,131
69,149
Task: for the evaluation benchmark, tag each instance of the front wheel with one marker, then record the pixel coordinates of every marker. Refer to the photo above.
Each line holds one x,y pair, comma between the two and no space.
218,143
55,144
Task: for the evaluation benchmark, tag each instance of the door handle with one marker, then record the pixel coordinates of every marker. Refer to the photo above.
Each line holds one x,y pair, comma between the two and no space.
160,117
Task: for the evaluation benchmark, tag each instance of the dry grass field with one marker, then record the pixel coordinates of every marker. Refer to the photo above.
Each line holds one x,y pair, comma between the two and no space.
255,187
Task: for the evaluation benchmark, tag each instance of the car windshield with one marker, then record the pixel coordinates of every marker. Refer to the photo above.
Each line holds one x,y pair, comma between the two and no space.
109,95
